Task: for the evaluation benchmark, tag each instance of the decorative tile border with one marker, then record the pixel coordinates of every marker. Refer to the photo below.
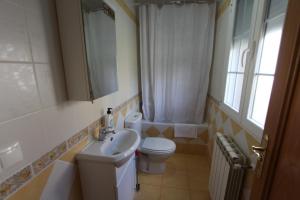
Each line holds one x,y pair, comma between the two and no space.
75,139
197,146
168,132
11,184
19,179
49,157
134,98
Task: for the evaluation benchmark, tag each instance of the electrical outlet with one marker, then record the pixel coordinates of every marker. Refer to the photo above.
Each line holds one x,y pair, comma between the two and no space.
102,121
11,155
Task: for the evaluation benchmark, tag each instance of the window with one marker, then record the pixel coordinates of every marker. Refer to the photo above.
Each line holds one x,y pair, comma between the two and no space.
249,81
236,64
265,71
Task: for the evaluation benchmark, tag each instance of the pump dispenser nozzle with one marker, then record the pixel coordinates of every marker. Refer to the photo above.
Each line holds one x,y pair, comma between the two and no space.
109,111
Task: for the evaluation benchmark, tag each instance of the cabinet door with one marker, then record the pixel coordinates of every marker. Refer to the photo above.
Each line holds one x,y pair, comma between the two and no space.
100,42
126,186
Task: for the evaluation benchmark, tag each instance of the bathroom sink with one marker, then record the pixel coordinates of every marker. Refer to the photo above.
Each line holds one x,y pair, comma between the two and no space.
116,149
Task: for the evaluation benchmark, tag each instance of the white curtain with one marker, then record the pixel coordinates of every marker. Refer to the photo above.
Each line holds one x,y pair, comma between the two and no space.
176,53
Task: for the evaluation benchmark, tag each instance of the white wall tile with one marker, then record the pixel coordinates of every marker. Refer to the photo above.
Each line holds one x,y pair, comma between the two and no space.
17,2
18,90
51,88
38,87
35,5
43,31
59,123
14,44
28,132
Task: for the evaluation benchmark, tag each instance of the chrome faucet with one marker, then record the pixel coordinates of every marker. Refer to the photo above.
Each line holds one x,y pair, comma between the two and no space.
104,132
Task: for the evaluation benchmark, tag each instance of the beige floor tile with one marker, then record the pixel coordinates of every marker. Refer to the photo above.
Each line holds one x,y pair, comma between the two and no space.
198,163
174,194
172,170
176,181
148,192
198,185
150,179
197,174
186,178
180,156
203,195
179,164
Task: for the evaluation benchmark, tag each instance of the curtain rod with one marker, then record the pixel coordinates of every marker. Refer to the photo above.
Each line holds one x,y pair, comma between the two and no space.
162,2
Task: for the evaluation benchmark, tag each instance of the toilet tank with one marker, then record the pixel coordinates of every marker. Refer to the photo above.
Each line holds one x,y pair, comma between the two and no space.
134,121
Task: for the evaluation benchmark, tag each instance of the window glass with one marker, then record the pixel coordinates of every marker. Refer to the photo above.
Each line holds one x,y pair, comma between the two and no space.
238,52
230,86
261,98
266,63
238,91
277,7
270,47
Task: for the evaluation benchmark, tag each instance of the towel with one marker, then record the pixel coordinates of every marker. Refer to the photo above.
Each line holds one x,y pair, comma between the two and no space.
186,130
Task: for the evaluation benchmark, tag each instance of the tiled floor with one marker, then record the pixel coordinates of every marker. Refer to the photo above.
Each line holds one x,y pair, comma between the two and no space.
185,178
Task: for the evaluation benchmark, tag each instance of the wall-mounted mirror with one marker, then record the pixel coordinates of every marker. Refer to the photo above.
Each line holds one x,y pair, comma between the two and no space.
88,35
100,42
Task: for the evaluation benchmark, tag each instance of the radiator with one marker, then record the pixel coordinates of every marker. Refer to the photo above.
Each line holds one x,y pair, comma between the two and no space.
228,169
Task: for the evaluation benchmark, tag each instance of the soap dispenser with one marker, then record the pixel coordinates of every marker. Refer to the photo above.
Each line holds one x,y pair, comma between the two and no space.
109,120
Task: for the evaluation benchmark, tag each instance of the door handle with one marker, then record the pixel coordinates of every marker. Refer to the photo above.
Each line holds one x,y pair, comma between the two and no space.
259,152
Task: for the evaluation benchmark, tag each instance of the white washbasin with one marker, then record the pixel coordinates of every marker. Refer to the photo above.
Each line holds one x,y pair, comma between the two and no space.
116,149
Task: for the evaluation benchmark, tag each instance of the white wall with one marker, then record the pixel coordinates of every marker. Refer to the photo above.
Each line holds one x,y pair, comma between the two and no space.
33,106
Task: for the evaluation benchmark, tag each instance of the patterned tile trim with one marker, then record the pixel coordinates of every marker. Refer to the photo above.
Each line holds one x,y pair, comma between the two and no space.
75,139
17,180
49,157
134,98
13,183
168,132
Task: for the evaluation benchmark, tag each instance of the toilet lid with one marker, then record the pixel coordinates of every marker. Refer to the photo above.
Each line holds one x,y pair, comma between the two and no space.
158,144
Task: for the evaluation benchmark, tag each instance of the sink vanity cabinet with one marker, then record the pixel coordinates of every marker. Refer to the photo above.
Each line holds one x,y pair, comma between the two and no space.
106,181
108,168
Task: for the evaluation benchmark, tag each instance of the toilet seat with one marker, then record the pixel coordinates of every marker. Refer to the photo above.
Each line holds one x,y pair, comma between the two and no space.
156,145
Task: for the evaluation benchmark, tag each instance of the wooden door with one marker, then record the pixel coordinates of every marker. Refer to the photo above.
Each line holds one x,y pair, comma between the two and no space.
280,177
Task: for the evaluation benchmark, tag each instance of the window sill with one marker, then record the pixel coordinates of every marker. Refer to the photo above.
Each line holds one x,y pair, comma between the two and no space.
233,114
255,131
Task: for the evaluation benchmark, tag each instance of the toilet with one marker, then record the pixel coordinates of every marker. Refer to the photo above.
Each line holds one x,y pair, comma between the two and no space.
154,151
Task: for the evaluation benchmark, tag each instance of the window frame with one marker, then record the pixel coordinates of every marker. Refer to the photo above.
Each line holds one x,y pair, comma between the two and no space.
227,109
258,35
256,38
259,38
